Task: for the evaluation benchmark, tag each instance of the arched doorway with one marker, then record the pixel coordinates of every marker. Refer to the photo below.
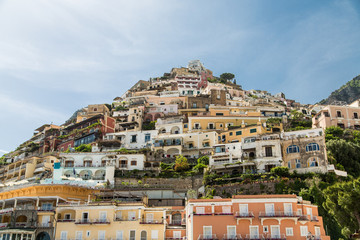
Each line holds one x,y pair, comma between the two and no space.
43,236
143,235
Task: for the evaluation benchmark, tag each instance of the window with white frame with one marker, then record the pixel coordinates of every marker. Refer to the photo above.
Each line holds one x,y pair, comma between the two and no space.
226,209
289,231
265,229
207,232
63,235
231,232
119,235
78,235
200,210
317,232
303,231
101,235
154,234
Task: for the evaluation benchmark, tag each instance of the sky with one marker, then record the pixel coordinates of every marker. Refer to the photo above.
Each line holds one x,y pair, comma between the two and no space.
59,56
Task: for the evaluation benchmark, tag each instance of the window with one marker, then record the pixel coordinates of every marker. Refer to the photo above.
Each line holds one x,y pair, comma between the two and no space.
356,115
207,232
147,137
200,210
132,235
211,126
85,217
231,133
243,208
292,149
119,235
103,217
221,125
133,163
67,216
78,235
269,209
154,234
326,114
185,125
312,147
338,114
313,162
63,235
317,232
265,229
268,151
88,233
253,130
289,231
254,232
194,105
289,164
133,138
238,133
219,114
197,126
226,209
143,235
303,231
231,232
297,163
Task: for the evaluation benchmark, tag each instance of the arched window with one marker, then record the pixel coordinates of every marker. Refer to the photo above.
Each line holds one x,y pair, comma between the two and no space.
297,163
312,147
292,149
143,235
312,162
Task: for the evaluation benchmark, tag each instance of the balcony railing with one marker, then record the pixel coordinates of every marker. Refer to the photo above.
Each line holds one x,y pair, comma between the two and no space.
208,237
202,214
308,218
117,219
66,220
177,222
232,237
3,225
244,215
147,221
254,237
278,214
223,213
100,221
83,221
45,225
46,209
25,225
275,237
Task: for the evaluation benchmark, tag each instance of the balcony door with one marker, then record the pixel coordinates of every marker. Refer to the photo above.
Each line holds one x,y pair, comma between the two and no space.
150,217
269,209
275,232
176,234
78,235
45,222
207,232
288,209
244,210
254,232
231,232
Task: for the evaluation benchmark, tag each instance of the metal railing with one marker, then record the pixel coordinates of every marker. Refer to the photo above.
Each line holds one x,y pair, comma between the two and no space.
45,225
254,237
232,237
244,214
207,237
66,220
276,214
100,221
275,237
153,221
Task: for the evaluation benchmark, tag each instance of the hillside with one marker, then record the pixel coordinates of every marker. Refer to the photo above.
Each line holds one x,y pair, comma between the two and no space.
348,93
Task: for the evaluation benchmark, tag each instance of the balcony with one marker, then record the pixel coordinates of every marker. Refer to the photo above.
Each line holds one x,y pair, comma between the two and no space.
118,219
177,222
147,221
66,220
278,214
46,209
244,215
275,237
44,225
6,210
223,213
100,221
208,237
83,221
308,218
203,214
25,225
254,237
232,237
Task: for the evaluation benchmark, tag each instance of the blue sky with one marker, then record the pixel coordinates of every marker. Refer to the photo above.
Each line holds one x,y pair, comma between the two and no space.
58,56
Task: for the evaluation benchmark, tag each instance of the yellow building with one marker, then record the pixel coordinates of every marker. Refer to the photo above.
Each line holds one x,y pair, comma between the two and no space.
110,220
27,168
236,134
28,213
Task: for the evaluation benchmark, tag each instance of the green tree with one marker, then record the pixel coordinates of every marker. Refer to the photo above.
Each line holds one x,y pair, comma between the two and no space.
227,76
342,202
333,132
345,153
83,148
181,164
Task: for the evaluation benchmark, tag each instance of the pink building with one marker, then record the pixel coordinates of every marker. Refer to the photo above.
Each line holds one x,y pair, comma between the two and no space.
343,116
254,217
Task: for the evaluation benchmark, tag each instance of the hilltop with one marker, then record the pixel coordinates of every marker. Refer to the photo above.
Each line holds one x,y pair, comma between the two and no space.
347,93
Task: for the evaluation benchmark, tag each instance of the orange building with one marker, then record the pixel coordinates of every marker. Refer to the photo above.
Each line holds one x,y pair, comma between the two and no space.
254,217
